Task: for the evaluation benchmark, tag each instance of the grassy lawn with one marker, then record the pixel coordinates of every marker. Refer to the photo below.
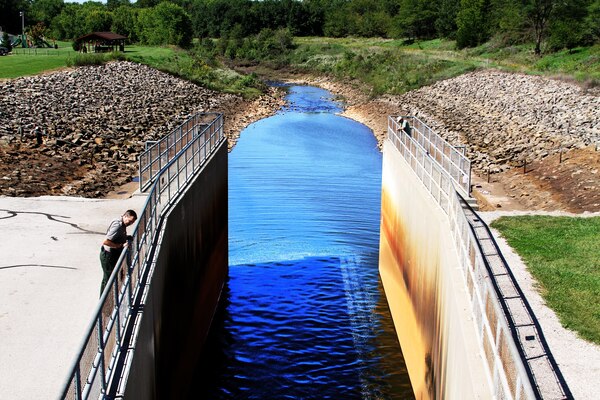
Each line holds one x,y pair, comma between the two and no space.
149,55
14,66
25,62
563,255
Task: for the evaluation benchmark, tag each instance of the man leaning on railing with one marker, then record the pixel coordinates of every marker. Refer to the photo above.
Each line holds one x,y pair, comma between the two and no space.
403,125
116,240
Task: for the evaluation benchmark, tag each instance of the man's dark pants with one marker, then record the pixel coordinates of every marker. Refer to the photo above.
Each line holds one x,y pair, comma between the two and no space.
108,260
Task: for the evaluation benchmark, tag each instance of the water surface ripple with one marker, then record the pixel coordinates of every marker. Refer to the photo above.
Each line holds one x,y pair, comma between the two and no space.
303,315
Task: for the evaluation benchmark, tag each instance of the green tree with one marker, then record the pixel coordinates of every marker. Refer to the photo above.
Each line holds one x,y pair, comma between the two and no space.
308,19
374,24
212,18
339,23
270,14
114,4
146,3
46,10
167,23
539,13
266,45
98,20
472,23
145,26
235,41
567,28
445,24
6,41
124,22
565,35
508,21
70,23
10,21
592,21
416,19
198,14
37,32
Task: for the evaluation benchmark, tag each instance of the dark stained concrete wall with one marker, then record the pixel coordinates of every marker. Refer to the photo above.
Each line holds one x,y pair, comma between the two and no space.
191,268
422,278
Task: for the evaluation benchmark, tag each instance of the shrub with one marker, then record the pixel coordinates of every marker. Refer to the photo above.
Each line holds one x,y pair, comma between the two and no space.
81,60
6,41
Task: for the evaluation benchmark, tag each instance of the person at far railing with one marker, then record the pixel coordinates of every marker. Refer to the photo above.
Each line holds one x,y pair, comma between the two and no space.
116,240
404,125
399,121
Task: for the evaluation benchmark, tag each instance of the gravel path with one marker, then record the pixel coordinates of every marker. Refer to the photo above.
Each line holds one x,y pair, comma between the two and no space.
578,359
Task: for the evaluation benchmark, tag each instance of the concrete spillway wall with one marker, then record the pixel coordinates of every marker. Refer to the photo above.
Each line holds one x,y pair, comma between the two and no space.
187,278
445,279
464,325
426,291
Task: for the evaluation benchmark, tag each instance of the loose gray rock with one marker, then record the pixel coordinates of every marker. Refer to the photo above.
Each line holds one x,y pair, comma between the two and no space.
100,115
504,118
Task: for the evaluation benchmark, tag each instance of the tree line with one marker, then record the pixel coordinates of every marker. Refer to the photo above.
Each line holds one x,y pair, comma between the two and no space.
549,24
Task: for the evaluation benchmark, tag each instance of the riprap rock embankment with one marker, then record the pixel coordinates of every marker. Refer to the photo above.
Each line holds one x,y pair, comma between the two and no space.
94,121
504,118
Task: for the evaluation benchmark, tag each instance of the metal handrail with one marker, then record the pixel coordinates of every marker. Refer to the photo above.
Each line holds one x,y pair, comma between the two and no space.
496,339
511,290
159,153
451,158
95,363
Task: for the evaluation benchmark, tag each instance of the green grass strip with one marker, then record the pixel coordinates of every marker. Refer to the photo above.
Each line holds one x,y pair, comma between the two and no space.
563,255
27,62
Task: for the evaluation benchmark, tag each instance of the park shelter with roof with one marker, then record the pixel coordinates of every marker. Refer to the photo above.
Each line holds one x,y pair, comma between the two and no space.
103,41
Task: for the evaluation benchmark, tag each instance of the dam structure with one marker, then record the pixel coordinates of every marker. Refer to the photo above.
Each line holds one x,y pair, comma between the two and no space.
158,304
465,328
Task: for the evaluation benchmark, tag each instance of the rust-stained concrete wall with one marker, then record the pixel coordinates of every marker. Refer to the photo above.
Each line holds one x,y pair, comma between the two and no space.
425,289
191,268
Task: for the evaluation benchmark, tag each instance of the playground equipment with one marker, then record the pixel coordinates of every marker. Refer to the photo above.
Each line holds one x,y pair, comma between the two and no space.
25,42
16,42
40,42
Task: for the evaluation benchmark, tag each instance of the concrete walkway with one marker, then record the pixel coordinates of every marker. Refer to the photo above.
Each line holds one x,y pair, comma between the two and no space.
49,286
578,359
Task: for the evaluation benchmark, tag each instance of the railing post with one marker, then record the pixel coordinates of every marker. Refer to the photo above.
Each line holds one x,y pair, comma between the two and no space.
180,138
77,387
469,181
130,267
179,171
117,316
101,365
168,185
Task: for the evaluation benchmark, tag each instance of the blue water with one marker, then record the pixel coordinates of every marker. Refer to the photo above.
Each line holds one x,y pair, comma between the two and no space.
303,314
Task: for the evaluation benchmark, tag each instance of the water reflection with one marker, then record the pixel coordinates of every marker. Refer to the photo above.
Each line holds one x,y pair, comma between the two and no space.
303,315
